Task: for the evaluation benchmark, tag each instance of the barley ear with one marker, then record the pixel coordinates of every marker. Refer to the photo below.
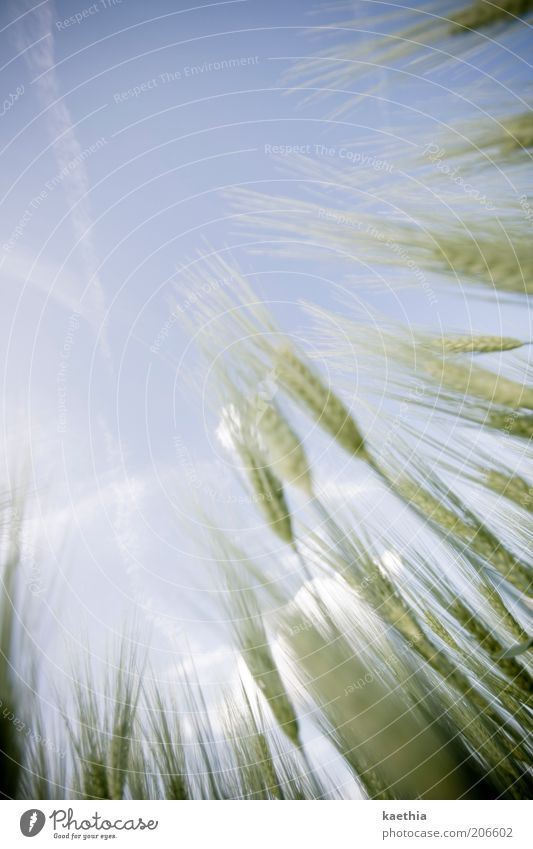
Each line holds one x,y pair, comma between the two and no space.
283,449
269,494
307,388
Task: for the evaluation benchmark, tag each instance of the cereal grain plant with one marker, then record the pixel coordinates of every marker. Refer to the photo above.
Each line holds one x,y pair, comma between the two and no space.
380,605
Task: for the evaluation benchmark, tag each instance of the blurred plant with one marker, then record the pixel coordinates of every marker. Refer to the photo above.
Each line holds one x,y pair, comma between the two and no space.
406,641
409,39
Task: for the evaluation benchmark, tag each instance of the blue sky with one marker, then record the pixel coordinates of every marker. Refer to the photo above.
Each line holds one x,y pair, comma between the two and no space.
122,128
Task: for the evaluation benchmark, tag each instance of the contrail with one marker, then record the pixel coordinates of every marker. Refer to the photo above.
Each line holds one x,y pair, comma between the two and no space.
67,149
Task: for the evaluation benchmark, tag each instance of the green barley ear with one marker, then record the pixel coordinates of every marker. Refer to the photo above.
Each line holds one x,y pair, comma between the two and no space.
505,264
501,140
512,487
307,388
167,745
510,422
517,133
463,530
284,451
268,493
96,784
245,731
101,733
410,31
394,751
252,638
473,344
486,13
264,757
266,488
378,590
481,383
262,666
119,752
126,696
512,668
